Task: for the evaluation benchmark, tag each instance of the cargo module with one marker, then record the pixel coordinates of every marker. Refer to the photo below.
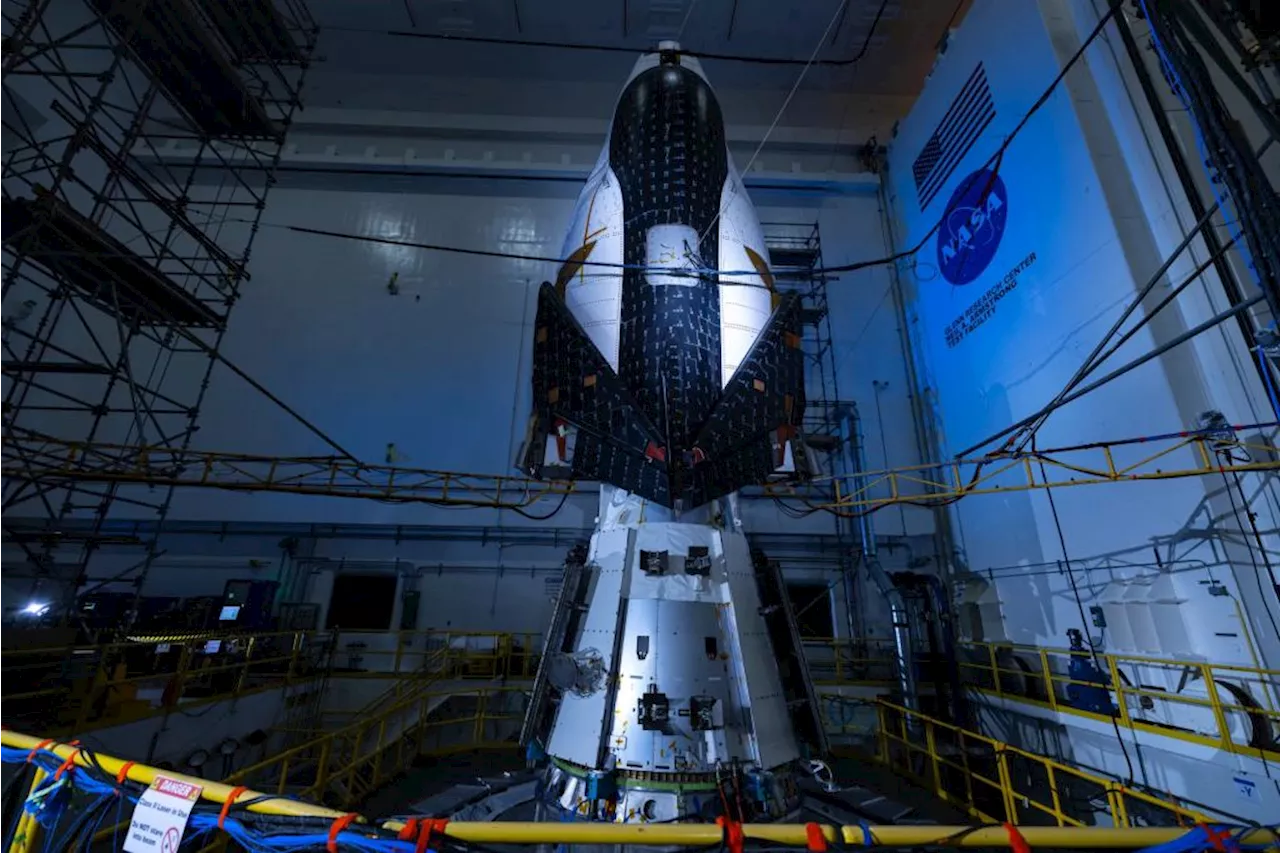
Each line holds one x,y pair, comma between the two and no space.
668,367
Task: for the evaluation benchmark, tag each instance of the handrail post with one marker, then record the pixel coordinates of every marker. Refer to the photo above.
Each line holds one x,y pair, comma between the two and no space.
185,659
97,684
1006,784
968,774
422,721
481,706
1119,811
322,768
882,737
378,748
1219,715
1117,685
1048,679
244,670
1058,814
995,670
293,657
932,745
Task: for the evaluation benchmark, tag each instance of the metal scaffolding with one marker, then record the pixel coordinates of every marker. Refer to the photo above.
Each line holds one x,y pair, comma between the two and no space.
832,430
795,255
141,138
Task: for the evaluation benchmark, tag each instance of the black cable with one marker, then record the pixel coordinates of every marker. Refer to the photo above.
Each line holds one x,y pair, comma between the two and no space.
632,51
564,497
1075,591
1100,353
1257,570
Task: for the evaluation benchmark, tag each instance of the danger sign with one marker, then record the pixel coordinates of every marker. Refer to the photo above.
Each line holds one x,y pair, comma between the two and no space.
160,818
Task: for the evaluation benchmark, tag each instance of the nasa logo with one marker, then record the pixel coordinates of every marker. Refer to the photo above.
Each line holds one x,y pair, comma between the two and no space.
972,227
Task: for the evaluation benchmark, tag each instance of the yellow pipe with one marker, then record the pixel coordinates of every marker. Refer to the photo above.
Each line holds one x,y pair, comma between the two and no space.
522,832
24,835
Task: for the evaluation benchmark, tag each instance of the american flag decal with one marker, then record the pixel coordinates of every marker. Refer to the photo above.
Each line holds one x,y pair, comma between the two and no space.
969,115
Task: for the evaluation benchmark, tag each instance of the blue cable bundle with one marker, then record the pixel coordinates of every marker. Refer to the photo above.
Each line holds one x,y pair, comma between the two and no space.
49,804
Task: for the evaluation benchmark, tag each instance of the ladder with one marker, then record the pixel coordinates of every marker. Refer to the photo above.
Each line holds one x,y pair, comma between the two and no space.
569,607
784,636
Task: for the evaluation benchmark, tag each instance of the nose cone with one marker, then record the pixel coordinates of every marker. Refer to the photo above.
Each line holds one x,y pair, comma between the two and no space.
670,51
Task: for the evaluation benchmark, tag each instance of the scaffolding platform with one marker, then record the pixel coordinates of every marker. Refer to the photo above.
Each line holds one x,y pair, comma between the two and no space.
784,259
173,43
110,275
253,30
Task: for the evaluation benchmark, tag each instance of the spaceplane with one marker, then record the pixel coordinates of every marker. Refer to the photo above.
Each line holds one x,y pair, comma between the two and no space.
666,361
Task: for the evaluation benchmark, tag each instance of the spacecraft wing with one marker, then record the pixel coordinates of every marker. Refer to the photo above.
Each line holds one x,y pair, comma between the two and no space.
743,441
574,386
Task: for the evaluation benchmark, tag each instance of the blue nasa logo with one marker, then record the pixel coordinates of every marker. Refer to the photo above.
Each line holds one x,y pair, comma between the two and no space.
974,223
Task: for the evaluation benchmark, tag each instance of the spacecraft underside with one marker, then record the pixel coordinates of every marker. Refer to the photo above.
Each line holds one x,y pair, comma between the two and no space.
750,433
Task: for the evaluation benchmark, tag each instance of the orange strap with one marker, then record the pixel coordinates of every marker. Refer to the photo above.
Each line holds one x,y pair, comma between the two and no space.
226,805
69,764
816,841
1217,838
31,756
734,840
124,772
1016,840
409,831
339,824
430,829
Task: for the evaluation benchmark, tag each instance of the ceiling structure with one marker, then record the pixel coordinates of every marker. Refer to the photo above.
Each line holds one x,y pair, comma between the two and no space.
356,38
389,93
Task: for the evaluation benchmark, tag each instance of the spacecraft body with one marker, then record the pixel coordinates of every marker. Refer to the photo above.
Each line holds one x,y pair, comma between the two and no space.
668,367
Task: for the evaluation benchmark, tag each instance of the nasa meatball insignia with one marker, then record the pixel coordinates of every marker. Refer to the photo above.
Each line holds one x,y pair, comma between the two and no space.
970,232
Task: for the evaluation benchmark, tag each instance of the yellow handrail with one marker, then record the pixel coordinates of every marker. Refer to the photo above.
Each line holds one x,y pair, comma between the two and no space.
118,668
948,747
982,670
985,669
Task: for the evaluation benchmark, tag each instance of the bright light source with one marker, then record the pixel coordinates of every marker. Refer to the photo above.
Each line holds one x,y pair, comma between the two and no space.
35,608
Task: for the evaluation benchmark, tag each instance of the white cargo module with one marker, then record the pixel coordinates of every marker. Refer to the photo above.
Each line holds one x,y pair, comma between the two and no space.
668,367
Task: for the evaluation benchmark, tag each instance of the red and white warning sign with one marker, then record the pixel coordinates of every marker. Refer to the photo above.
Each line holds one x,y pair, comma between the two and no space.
160,818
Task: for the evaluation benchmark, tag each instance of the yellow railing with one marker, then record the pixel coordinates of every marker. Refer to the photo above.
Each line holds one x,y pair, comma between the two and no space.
312,818
73,689
471,654
1227,706
78,688
996,782
1232,707
837,660
343,766
422,658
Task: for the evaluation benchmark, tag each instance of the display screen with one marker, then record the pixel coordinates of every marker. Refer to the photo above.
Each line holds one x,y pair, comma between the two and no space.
229,613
